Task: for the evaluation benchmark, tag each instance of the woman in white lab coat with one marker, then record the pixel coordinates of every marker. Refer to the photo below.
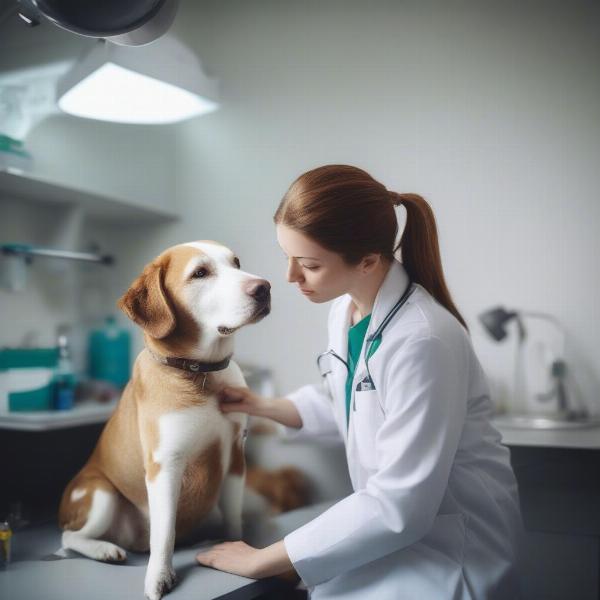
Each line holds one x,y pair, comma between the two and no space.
434,514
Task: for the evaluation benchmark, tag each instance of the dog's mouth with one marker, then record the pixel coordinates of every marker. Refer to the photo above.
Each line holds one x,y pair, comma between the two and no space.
260,313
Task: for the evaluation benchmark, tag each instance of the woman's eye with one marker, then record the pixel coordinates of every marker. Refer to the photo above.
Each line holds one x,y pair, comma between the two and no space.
310,268
236,262
199,273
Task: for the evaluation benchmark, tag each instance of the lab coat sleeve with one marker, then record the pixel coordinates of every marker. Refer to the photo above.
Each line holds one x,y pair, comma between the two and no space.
314,404
425,394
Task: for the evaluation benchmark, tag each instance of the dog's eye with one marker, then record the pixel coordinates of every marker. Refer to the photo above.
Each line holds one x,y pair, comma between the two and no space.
236,262
199,273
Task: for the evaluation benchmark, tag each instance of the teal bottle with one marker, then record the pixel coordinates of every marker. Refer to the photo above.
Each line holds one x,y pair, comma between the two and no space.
110,353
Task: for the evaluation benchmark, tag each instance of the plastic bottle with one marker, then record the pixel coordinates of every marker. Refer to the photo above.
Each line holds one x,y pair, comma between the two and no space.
64,378
109,353
5,543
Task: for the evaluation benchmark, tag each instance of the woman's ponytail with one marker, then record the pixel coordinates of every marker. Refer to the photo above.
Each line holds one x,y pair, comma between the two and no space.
420,249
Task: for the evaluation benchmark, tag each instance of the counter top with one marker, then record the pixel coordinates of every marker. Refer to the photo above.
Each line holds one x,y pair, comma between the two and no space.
35,567
583,438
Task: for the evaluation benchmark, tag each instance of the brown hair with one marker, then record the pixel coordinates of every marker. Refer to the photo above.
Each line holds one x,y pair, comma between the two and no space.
346,211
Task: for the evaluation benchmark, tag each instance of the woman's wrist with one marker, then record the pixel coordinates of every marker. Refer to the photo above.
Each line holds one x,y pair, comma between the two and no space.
272,560
265,408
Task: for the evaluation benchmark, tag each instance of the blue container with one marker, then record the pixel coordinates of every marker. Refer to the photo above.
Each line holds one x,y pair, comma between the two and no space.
26,378
110,353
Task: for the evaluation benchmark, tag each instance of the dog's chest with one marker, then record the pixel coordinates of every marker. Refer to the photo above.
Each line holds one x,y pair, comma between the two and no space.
186,433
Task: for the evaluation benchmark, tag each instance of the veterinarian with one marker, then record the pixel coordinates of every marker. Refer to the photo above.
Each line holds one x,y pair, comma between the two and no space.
434,514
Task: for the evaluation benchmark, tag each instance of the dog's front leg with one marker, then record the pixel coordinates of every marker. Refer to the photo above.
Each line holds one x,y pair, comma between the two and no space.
163,482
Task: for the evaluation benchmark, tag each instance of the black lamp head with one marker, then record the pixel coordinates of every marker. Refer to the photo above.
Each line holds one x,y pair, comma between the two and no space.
495,320
131,23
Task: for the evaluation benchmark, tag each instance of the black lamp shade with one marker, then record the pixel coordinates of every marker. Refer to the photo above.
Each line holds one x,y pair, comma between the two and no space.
495,320
98,18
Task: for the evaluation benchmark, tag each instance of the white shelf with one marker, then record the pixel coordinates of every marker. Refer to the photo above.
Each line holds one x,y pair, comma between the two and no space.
84,413
97,206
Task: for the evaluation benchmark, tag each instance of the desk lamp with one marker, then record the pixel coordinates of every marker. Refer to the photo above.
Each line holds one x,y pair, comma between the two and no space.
495,321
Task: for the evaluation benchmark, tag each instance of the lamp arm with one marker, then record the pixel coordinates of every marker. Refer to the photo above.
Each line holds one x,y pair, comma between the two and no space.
551,319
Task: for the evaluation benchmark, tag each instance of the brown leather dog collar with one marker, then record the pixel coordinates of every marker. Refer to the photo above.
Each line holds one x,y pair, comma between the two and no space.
193,366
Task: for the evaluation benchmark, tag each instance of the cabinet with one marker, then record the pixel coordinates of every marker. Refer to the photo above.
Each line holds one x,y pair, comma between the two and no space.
559,489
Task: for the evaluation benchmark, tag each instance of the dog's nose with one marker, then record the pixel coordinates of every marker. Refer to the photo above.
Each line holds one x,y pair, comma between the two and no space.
259,289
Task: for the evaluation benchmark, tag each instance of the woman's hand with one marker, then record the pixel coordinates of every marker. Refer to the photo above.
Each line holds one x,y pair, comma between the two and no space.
241,399
234,557
240,559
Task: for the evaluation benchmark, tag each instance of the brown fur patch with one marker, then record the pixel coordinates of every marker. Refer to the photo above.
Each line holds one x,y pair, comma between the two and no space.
285,488
238,460
147,302
199,488
186,332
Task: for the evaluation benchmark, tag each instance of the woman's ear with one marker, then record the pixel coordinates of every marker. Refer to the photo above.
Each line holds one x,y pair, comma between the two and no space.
146,303
369,262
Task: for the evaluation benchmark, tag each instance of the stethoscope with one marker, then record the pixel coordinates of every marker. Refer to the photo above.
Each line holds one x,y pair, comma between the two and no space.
326,369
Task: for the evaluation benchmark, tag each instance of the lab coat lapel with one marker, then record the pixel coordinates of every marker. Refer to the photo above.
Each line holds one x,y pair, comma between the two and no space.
392,288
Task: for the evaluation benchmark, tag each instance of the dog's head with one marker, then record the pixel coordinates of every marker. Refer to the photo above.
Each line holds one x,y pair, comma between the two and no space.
192,297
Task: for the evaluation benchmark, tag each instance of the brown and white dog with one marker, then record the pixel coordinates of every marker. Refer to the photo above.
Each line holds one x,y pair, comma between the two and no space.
168,456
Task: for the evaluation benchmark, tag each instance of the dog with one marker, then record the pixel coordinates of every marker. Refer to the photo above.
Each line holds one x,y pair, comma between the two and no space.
168,456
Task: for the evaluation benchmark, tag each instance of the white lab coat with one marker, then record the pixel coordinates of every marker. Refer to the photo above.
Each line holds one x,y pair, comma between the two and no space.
435,512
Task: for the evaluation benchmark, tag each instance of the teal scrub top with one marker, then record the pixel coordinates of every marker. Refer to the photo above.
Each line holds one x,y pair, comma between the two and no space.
356,337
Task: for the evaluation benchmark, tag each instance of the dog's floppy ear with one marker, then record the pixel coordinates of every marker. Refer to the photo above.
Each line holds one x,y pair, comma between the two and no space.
146,303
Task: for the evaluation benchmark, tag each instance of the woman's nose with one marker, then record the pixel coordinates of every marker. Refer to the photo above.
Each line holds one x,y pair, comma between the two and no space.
293,272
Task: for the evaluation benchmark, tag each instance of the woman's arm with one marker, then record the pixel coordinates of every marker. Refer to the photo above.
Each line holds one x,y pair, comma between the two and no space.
241,559
306,413
241,399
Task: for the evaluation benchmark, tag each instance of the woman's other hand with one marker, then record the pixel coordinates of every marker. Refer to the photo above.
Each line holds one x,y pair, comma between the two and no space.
241,559
234,557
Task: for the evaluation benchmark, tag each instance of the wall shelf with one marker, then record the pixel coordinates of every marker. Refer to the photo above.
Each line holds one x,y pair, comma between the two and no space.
83,413
98,207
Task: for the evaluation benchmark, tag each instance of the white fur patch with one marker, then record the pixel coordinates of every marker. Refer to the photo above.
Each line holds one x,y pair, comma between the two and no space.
101,514
77,494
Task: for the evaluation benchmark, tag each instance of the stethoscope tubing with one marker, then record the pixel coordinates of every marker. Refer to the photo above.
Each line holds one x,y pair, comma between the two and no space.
371,338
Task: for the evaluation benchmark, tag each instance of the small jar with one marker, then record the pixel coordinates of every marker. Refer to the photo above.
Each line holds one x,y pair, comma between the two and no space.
5,543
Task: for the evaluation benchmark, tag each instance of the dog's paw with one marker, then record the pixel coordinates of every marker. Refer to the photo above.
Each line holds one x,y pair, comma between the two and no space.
159,581
107,551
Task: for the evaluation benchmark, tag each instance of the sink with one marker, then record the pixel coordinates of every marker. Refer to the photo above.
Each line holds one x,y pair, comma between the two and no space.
540,421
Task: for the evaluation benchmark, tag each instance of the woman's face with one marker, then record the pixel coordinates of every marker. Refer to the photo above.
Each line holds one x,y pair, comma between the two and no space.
321,275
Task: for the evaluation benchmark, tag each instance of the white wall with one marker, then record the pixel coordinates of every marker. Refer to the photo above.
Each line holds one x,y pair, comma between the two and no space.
488,109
